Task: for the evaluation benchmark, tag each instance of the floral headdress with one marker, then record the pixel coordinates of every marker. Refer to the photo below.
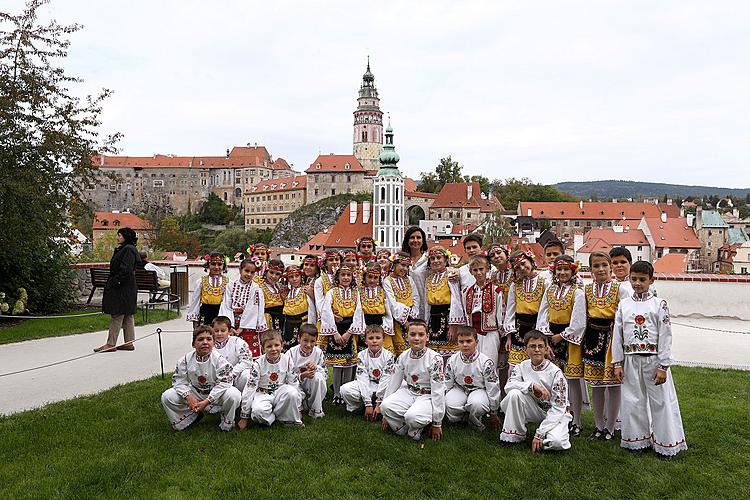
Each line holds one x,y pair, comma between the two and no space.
438,250
292,271
520,255
497,246
348,251
563,262
361,240
383,250
401,259
345,268
215,258
258,246
275,266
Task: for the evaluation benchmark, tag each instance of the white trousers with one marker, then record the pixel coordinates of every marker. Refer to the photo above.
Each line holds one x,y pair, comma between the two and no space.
473,406
663,431
353,397
489,345
520,409
181,416
314,392
406,413
240,381
283,405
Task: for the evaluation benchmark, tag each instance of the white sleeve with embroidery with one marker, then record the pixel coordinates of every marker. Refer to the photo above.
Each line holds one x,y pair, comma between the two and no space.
500,314
558,398
449,373
253,317
244,356
457,315
194,310
248,393
291,375
362,377
180,381
358,321
312,313
618,337
516,381
319,295
388,319
224,378
492,385
226,309
385,377
327,321
664,327
416,297
509,325
399,312
577,327
542,319
396,377
437,390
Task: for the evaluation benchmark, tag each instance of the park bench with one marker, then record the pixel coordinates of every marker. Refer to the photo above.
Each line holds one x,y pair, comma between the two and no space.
145,281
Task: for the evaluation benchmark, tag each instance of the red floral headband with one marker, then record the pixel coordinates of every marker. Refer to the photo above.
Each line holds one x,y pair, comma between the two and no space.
496,246
217,259
276,267
406,261
439,251
258,246
292,271
563,264
525,255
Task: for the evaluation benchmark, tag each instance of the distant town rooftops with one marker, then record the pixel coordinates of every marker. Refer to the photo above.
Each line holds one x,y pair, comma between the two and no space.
239,156
117,220
672,263
281,184
593,210
712,218
333,163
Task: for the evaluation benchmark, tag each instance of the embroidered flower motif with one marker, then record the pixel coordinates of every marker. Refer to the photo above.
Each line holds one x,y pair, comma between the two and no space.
376,373
414,378
202,379
274,377
639,320
468,380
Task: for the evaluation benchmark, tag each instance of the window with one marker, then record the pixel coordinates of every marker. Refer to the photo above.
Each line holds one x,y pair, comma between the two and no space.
316,191
553,223
588,223
333,178
709,232
382,194
577,224
158,183
348,178
382,215
333,191
609,223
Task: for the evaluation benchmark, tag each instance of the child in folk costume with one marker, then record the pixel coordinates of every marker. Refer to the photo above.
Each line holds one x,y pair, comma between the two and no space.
443,304
375,306
471,384
350,258
419,403
383,259
481,309
309,365
273,297
562,316
622,259
374,369
234,350
472,246
272,391
330,263
202,381
310,273
297,303
537,392
260,252
403,300
208,291
243,302
341,322
602,299
524,300
365,250
552,249
501,277
641,355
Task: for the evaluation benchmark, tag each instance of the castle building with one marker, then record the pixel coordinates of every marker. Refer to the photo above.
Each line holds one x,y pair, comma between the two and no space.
368,123
388,198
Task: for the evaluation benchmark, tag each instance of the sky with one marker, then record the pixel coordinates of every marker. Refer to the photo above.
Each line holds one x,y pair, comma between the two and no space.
550,90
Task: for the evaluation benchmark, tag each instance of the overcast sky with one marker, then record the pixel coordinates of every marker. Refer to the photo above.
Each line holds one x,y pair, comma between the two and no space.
555,91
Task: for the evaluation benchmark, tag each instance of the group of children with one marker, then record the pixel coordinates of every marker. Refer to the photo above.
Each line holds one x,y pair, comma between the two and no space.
416,341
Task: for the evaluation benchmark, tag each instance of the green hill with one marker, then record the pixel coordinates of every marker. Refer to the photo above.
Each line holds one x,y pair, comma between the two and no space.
608,189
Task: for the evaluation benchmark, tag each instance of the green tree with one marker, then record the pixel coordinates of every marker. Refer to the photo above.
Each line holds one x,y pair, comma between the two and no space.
233,240
171,238
215,211
498,229
446,171
511,191
48,137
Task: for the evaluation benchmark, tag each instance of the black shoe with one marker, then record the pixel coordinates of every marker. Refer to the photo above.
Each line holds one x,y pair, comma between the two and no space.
596,435
606,435
574,430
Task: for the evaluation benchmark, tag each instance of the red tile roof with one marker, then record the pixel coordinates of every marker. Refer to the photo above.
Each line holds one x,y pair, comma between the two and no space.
522,243
631,237
595,245
317,242
591,210
282,184
116,220
456,195
672,210
281,164
240,156
675,233
344,233
409,184
420,194
675,263
335,163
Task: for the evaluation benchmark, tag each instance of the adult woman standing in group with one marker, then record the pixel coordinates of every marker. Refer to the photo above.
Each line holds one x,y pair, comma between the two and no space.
415,244
121,292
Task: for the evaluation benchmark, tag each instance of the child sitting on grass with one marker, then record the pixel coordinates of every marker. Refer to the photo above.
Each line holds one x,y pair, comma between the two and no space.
309,365
421,401
536,392
641,355
471,384
272,391
202,381
234,349
374,369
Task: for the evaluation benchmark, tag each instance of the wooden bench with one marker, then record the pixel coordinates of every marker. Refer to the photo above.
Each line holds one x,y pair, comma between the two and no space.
145,281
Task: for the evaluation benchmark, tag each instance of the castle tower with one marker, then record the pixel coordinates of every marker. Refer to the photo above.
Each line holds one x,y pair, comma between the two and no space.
388,198
368,123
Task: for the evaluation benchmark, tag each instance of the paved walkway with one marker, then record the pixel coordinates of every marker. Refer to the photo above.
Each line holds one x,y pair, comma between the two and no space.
99,372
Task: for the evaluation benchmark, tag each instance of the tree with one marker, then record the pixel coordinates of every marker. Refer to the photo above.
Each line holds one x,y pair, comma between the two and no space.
172,238
233,240
498,229
446,171
484,182
511,191
47,140
215,211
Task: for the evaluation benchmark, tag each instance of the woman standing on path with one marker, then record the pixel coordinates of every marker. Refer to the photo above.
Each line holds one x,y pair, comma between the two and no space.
121,293
415,244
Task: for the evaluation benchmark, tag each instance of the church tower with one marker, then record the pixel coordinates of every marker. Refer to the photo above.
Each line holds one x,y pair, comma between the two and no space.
388,198
368,123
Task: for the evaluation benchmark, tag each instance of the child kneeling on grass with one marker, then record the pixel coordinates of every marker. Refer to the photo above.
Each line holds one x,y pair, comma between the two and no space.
536,392
641,356
309,365
272,391
421,402
201,382
472,384
375,365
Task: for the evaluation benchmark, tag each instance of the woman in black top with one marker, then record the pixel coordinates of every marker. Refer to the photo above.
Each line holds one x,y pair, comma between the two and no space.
121,292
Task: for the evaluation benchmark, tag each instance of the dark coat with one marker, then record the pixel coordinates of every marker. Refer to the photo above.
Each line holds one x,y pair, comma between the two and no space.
121,292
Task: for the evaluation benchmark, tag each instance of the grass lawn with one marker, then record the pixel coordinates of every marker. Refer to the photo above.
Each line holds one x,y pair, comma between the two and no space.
58,327
119,444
